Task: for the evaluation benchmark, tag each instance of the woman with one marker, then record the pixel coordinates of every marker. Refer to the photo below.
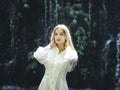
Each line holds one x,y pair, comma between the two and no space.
58,58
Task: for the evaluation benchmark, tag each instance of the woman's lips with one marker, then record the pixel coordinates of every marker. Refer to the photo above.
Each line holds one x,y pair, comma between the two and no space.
58,40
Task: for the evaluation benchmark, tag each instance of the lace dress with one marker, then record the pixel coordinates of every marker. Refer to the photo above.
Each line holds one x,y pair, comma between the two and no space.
56,66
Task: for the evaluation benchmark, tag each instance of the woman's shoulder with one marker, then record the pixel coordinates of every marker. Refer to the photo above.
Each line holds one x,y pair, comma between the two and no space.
70,49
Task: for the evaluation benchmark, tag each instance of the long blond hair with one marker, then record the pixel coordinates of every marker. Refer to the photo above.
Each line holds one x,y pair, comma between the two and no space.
67,34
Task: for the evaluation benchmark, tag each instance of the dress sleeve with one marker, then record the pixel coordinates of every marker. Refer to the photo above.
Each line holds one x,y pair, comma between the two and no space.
71,56
41,54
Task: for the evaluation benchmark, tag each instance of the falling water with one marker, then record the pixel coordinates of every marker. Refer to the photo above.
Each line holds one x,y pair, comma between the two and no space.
10,66
106,58
45,20
50,11
105,53
56,10
50,17
89,11
104,18
12,26
117,73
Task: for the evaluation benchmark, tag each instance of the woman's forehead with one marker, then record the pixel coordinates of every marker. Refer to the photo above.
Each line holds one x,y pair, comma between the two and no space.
59,30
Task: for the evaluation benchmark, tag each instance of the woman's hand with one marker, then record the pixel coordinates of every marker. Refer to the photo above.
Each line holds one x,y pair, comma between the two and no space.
53,44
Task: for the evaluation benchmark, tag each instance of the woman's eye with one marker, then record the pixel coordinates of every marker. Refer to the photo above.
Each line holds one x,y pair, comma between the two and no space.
56,34
61,34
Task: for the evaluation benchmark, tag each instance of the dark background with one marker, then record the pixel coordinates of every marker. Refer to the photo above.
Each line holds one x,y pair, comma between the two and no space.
27,24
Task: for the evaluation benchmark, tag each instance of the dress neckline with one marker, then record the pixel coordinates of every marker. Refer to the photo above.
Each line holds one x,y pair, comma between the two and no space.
58,51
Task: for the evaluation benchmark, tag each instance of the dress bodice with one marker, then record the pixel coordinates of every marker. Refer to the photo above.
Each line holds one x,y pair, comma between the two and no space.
56,66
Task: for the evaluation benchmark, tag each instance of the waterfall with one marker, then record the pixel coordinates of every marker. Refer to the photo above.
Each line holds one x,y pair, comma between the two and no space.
50,17
50,11
117,71
45,20
10,65
89,11
12,26
104,18
105,52
56,10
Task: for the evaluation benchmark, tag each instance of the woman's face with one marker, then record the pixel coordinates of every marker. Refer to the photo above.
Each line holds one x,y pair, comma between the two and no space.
59,36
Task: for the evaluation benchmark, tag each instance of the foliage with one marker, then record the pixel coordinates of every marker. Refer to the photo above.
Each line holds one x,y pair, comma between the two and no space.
33,64
81,40
89,35
84,73
74,15
79,24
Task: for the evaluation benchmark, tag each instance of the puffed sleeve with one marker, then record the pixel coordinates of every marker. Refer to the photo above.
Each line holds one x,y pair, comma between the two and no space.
71,56
41,54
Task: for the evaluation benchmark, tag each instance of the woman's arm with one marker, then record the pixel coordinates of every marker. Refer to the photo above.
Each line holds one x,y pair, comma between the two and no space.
41,53
72,57
71,54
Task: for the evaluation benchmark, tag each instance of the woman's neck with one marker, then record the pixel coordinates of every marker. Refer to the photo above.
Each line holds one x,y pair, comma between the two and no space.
61,48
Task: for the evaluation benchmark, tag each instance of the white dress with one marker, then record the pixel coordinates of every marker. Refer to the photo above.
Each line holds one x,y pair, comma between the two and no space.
56,66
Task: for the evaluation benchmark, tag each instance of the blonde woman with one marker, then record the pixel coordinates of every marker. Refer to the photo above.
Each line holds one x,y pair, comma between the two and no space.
58,58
